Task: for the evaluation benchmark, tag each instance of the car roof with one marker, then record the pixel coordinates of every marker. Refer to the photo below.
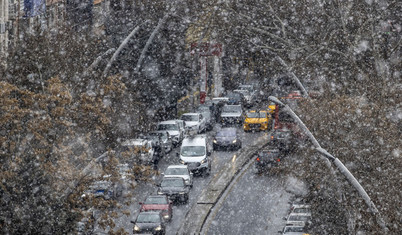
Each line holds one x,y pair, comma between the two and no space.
177,120
177,166
173,178
194,141
150,212
156,196
131,142
230,105
184,114
168,122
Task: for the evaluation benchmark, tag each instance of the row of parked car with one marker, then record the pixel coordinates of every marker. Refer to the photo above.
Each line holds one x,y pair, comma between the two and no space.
297,220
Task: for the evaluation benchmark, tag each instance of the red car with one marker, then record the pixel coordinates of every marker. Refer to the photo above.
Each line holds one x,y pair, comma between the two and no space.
158,203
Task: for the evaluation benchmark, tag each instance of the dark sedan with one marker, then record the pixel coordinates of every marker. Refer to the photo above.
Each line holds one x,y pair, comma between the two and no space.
175,188
267,159
227,138
150,223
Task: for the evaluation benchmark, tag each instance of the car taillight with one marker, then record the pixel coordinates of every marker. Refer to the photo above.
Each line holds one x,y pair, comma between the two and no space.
258,159
272,137
278,160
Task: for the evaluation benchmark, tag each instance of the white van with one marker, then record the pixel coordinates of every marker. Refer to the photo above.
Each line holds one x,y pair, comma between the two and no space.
195,153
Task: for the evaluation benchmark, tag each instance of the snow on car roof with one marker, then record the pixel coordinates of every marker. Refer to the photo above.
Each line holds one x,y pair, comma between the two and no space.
187,114
194,141
134,142
168,122
177,166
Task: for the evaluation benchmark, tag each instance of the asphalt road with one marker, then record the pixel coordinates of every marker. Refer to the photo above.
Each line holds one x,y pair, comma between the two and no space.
219,159
256,204
128,207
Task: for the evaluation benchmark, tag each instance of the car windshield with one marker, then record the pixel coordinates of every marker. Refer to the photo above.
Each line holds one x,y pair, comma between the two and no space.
244,92
226,133
156,200
231,109
168,127
172,182
148,218
191,118
203,108
176,171
155,135
256,115
192,151
301,210
299,218
294,229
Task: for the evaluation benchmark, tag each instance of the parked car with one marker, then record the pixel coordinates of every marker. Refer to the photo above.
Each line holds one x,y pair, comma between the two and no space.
173,127
300,208
226,138
180,171
300,219
174,188
163,138
293,230
158,203
231,114
194,152
150,222
105,188
124,171
267,159
182,127
139,151
194,122
207,113
256,121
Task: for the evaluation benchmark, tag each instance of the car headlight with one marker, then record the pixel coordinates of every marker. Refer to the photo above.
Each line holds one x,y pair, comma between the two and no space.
182,193
215,141
136,228
182,162
158,228
160,193
166,216
234,141
204,161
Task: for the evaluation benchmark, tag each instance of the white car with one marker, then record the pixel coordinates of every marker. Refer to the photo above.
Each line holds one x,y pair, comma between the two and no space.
173,128
181,171
140,150
293,230
300,209
194,122
194,152
298,218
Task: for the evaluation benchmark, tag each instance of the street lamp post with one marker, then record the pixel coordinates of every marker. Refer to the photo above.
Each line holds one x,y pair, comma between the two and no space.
340,166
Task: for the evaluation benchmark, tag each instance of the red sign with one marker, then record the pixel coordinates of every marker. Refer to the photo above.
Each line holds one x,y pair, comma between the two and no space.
203,95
